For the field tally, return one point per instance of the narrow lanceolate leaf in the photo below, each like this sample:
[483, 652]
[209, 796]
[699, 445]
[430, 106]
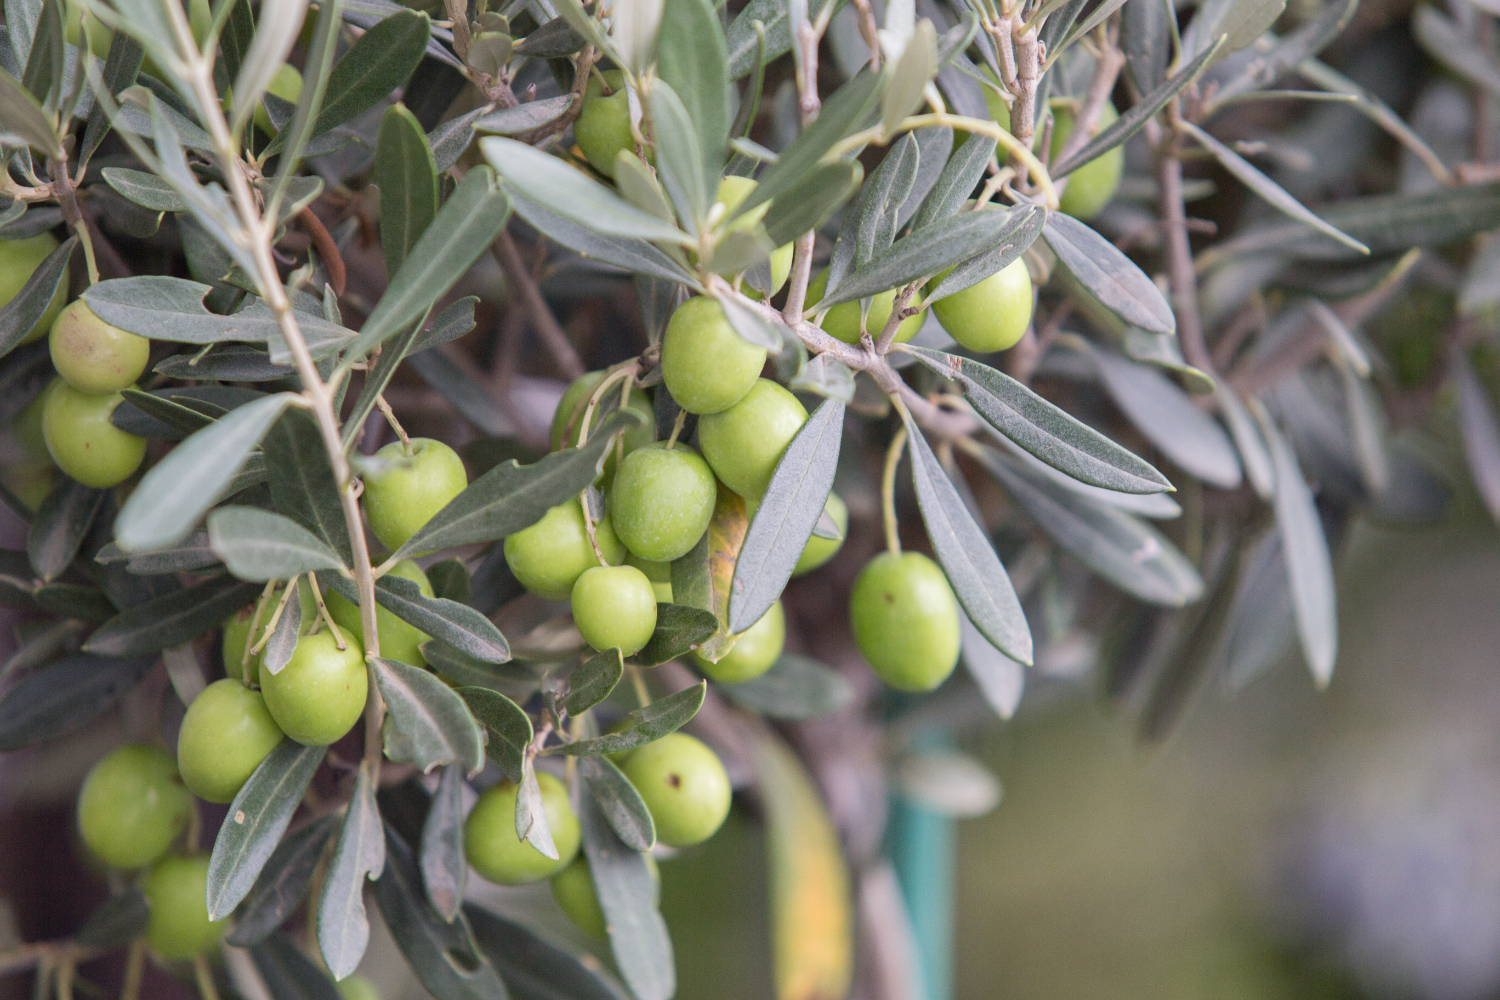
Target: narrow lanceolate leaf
[442, 954]
[60, 526]
[1481, 433]
[630, 253]
[1261, 623]
[301, 480]
[1309, 564]
[957, 181]
[1166, 415]
[458, 625]
[932, 249]
[20, 315]
[508, 725]
[22, 116]
[870, 228]
[1027, 226]
[532, 825]
[1131, 121]
[167, 503]
[1125, 551]
[812, 923]
[1042, 429]
[283, 882]
[794, 688]
[691, 59]
[1112, 278]
[537, 969]
[166, 308]
[258, 545]
[679, 630]
[775, 16]
[465, 671]
[1310, 38]
[429, 725]
[808, 203]
[510, 496]
[622, 805]
[407, 176]
[279, 23]
[999, 678]
[464, 228]
[539, 178]
[1455, 47]
[1247, 441]
[628, 892]
[1269, 189]
[283, 641]
[786, 516]
[966, 555]
[910, 75]
[592, 682]
[343, 926]
[443, 866]
[1241, 21]
[146, 190]
[679, 159]
[257, 818]
[523, 117]
[65, 696]
[644, 725]
[172, 619]
[116, 921]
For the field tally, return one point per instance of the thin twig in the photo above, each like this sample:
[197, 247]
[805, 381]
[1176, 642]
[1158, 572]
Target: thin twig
[522, 283]
[390, 418]
[888, 491]
[1180, 274]
[326, 249]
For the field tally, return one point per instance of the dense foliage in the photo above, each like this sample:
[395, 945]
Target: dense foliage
[800, 235]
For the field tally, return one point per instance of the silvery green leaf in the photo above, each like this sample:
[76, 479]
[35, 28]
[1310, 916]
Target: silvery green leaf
[1109, 275]
[691, 58]
[508, 725]
[909, 77]
[748, 323]
[1247, 441]
[284, 881]
[775, 17]
[444, 869]
[172, 619]
[622, 806]
[276, 30]
[283, 641]
[1027, 224]
[592, 682]
[1269, 189]
[259, 545]
[531, 819]
[627, 893]
[794, 688]
[60, 525]
[999, 678]
[630, 253]
[1241, 21]
[20, 316]
[429, 725]
[827, 377]
[523, 117]
[1456, 48]
[343, 927]
[1275, 56]
[957, 181]
[679, 157]
[642, 726]
[22, 117]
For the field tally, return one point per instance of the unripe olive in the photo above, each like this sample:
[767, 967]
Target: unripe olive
[567, 421]
[993, 314]
[83, 442]
[497, 854]
[662, 500]
[18, 259]
[94, 356]
[706, 365]
[225, 734]
[743, 443]
[733, 190]
[614, 606]
[354, 986]
[549, 556]
[398, 639]
[287, 85]
[818, 551]
[100, 36]
[1092, 185]
[176, 890]
[659, 573]
[30, 479]
[237, 629]
[754, 652]
[132, 806]
[403, 497]
[842, 321]
[573, 888]
[320, 694]
[603, 126]
[905, 620]
[684, 785]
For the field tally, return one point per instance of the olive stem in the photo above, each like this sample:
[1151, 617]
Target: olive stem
[627, 370]
[390, 418]
[205, 979]
[135, 970]
[65, 973]
[677, 426]
[638, 682]
[275, 617]
[246, 653]
[888, 490]
[194, 828]
[522, 282]
[338, 636]
[901, 311]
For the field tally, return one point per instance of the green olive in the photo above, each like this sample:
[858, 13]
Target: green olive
[398, 639]
[706, 365]
[18, 259]
[225, 735]
[1092, 185]
[905, 620]
[176, 891]
[992, 315]
[662, 500]
[818, 551]
[684, 785]
[614, 606]
[100, 36]
[287, 85]
[132, 806]
[83, 442]
[573, 888]
[550, 555]
[842, 321]
[94, 356]
[237, 629]
[354, 986]
[603, 126]
[497, 854]
[733, 190]
[320, 694]
[754, 652]
[659, 573]
[400, 499]
[567, 421]
[744, 443]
